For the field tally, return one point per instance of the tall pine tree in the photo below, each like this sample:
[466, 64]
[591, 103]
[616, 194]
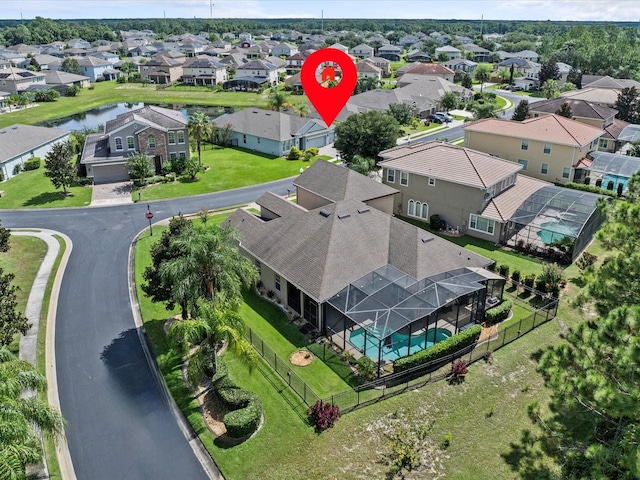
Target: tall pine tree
[521, 112]
[565, 111]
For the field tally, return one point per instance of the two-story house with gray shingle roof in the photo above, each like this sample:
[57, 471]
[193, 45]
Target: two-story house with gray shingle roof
[162, 69]
[158, 132]
[19, 143]
[362, 51]
[205, 71]
[275, 133]
[93, 67]
[390, 52]
[285, 49]
[253, 75]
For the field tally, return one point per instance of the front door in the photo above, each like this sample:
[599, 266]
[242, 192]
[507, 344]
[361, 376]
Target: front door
[293, 298]
[157, 160]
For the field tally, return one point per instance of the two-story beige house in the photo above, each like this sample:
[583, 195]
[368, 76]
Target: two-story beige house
[204, 71]
[158, 132]
[547, 147]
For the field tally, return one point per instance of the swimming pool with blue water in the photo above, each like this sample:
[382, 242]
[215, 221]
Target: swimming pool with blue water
[399, 343]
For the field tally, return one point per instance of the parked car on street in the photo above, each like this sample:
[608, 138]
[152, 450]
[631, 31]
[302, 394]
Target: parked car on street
[440, 117]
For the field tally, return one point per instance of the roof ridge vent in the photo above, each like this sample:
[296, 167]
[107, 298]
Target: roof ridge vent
[344, 215]
[325, 213]
[426, 238]
[363, 209]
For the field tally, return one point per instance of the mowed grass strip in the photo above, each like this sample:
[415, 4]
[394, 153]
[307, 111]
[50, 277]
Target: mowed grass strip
[33, 190]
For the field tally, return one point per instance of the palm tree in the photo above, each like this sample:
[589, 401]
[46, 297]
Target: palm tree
[19, 442]
[209, 266]
[278, 99]
[482, 74]
[303, 110]
[200, 128]
[212, 327]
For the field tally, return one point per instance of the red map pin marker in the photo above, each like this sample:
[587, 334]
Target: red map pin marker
[328, 101]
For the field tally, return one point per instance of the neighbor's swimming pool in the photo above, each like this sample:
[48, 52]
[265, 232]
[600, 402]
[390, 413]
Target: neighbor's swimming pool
[553, 231]
[400, 343]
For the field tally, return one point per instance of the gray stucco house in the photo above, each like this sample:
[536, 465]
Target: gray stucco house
[19, 143]
[158, 132]
[275, 133]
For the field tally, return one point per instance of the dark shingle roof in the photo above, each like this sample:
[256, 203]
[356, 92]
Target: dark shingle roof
[580, 108]
[336, 183]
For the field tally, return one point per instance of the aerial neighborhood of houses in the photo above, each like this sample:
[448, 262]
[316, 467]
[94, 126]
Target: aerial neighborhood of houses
[501, 180]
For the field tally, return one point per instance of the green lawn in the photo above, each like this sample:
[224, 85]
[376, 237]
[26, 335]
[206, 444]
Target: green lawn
[33, 190]
[105, 93]
[229, 168]
[408, 130]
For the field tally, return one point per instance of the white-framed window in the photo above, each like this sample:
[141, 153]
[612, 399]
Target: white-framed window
[603, 143]
[524, 145]
[391, 175]
[118, 143]
[524, 163]
[481, 224]
[258, 267]
[418, 209]
[432, 182]
[544, 168]
[181, 137]
[131, 144]
[277, 282]
[182, 155]
[151, 141]
[547, 149]
[566, 172]
[172, 138]
[173, 155]
[404, 178]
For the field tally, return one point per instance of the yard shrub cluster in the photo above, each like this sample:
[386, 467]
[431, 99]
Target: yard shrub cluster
[246, 414]
[323, 415]
[589, 188]
[498, 313]
[32, 164]
[440, 349]
[294, 154]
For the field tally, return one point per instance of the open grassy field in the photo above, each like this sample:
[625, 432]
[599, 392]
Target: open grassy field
[104, 93]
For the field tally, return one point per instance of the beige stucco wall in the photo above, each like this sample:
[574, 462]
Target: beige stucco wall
[509, 148]
[384, 204]
[309, 200]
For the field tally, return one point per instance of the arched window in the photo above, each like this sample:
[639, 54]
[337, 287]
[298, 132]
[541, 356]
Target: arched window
[425, 210]
[152, 141]
[411, 209]
[131, 145]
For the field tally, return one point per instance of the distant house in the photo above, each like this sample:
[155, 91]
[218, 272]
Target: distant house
[295, 61]
[285, 49]
[547, 147]
[362, 51]
[601, 96]
[244, 36]
[93, 67]
[253, 75]
[18, 80]
[424, 69]
[275, 133]
[418, 56]
[19, 143]
[382, 63]
[340, 47]
[204, 71]
[390, 52]
[451, 52]
[64, 79]
[162, 69]
[461, 65]
[160, 133]
[479, 54]
[368, 70]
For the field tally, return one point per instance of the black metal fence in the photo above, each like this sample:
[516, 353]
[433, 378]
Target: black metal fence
[282, 368]
[439, 369]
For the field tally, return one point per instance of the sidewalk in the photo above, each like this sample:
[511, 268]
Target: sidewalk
[406, 139]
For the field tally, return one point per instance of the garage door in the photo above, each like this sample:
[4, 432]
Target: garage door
[110, 173]
[317, 142]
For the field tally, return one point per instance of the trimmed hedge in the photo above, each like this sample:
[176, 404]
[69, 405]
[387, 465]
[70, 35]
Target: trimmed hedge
[440, 349]
[589, 188]
[32, 164]
[246, 406]
[498, 313]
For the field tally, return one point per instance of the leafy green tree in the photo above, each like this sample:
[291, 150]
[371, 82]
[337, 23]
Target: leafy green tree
[482, 74]
[200, 128]
[70, 65]
[634, 149]
[628, 105]
[442, 57]
[449, 101]
[73, 90]
[155, 288]
[12, 321]
[278, 99]
[366, 134]
[5, 235]
[521, 112]
[467, 81]
[503, 73]
[484, 110]
[128, 68]
[512, 70]
[565, 110]
[139, 167]
[550, 89]
[401, 112]
[366, 84]
[192, 167]
[209, 267]
[303, 110]
[548, 71]
[21, 416]
[212, 327]
[224, 134]
[575, 76]
[361, 164]
[59, 166]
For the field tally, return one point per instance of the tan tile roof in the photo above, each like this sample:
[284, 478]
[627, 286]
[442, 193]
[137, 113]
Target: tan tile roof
[615, 129]
[429, 69]
[548, 128]
[604, 96]
[502, 207]
[450, 163]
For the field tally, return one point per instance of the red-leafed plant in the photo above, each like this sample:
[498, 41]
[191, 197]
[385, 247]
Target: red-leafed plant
[323, 415]
[458, 371]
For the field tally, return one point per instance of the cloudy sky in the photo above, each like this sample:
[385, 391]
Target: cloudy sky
[627, 10]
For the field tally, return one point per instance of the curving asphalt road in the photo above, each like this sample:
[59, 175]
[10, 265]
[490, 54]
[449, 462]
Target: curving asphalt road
[119, 421]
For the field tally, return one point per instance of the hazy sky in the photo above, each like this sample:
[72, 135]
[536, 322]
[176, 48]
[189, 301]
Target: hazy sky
[628, 10]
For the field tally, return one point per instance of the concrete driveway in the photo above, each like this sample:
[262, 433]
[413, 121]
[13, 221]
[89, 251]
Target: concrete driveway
[118, 193]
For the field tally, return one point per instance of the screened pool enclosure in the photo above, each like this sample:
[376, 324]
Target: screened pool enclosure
[554, 220]
[388, 314]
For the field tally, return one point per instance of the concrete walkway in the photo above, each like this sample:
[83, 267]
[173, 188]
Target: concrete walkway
[28, 342]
